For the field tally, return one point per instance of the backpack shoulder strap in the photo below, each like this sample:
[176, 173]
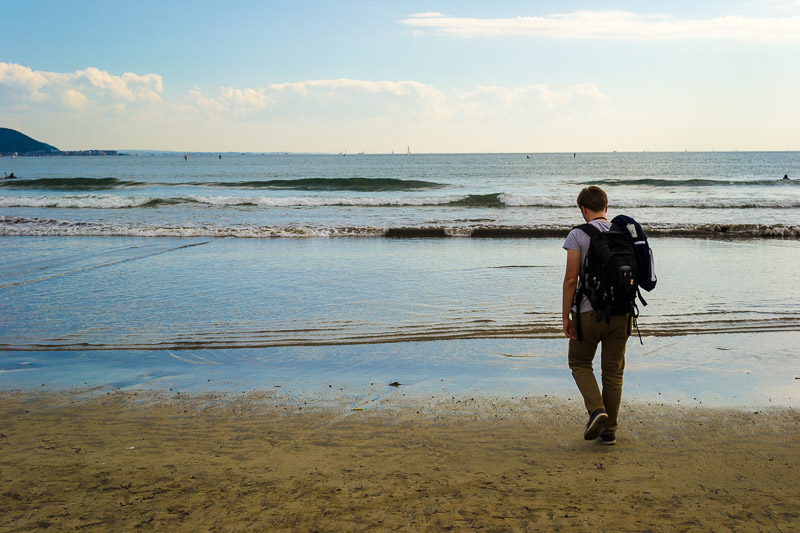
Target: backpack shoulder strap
[589, 229]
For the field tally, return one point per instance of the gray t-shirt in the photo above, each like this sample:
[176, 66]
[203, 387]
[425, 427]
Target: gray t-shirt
[579, 240]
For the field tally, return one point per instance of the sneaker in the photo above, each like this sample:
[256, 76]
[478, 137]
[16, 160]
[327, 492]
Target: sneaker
[597, 424]
[609, 438]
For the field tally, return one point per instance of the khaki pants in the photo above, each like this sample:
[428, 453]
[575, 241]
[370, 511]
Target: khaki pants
[613, 337]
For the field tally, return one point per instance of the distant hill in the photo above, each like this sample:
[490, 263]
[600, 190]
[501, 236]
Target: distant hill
[12, 141]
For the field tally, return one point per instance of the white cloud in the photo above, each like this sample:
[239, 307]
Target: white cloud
[338, 104]
[76, 89]
[393, 87]
[540, 92]
[25, 80]
[213, 105]
[493, 100]
[331, 101]
[321, 114]
[130, 87]
[328, 98]
[616, 25]
[237, 101]
[373, 97]
[74, 99]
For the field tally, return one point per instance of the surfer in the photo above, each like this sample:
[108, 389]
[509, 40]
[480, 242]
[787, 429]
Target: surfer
[9, 176]
[786, 176]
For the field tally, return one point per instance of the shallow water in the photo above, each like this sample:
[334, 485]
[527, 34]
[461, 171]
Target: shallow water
[480, 314]
[129, 293]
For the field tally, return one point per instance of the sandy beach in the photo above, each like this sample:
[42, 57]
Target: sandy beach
[150, 461]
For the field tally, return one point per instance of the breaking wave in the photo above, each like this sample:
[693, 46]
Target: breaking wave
[483, 201]
[72, 184]
[10, 226]
[695, 182]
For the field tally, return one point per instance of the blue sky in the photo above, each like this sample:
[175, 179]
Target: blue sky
[439, 76]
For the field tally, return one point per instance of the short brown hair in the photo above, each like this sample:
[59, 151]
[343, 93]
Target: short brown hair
[593, 198]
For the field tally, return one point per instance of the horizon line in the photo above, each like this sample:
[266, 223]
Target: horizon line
[400, 154]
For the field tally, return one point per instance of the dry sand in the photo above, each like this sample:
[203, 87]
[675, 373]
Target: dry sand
[142, 461]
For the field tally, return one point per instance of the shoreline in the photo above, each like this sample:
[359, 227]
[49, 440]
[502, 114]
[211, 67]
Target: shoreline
[733, 370]
[167, 461]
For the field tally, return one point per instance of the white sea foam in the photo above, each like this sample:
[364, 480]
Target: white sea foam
[532, 201]
[93, 201]
[745, 202]
[83, 201]
[115, 201]
[47, 227]
[19, 226]
[316, 201]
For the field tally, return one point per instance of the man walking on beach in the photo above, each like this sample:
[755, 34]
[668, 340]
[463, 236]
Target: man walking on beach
[603, 407]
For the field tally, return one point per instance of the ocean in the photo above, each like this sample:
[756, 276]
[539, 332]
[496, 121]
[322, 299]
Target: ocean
[369, 195]
[305, 272]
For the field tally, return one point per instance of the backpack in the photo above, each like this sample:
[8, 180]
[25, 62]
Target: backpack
[618, 262]
[645, 265]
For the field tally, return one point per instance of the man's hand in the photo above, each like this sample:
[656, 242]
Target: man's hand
[569, 328]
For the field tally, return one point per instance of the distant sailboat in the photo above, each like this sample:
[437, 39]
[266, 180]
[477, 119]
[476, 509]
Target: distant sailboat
[408, 150]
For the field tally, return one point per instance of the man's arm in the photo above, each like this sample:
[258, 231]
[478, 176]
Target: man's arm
[570, 284]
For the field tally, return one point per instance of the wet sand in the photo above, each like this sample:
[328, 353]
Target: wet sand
[168, 462]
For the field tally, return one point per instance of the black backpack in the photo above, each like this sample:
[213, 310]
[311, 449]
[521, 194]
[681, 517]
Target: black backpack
[645, 265]
[611, 274]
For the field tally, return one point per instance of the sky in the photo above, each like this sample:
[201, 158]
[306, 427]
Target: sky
[380, 76]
